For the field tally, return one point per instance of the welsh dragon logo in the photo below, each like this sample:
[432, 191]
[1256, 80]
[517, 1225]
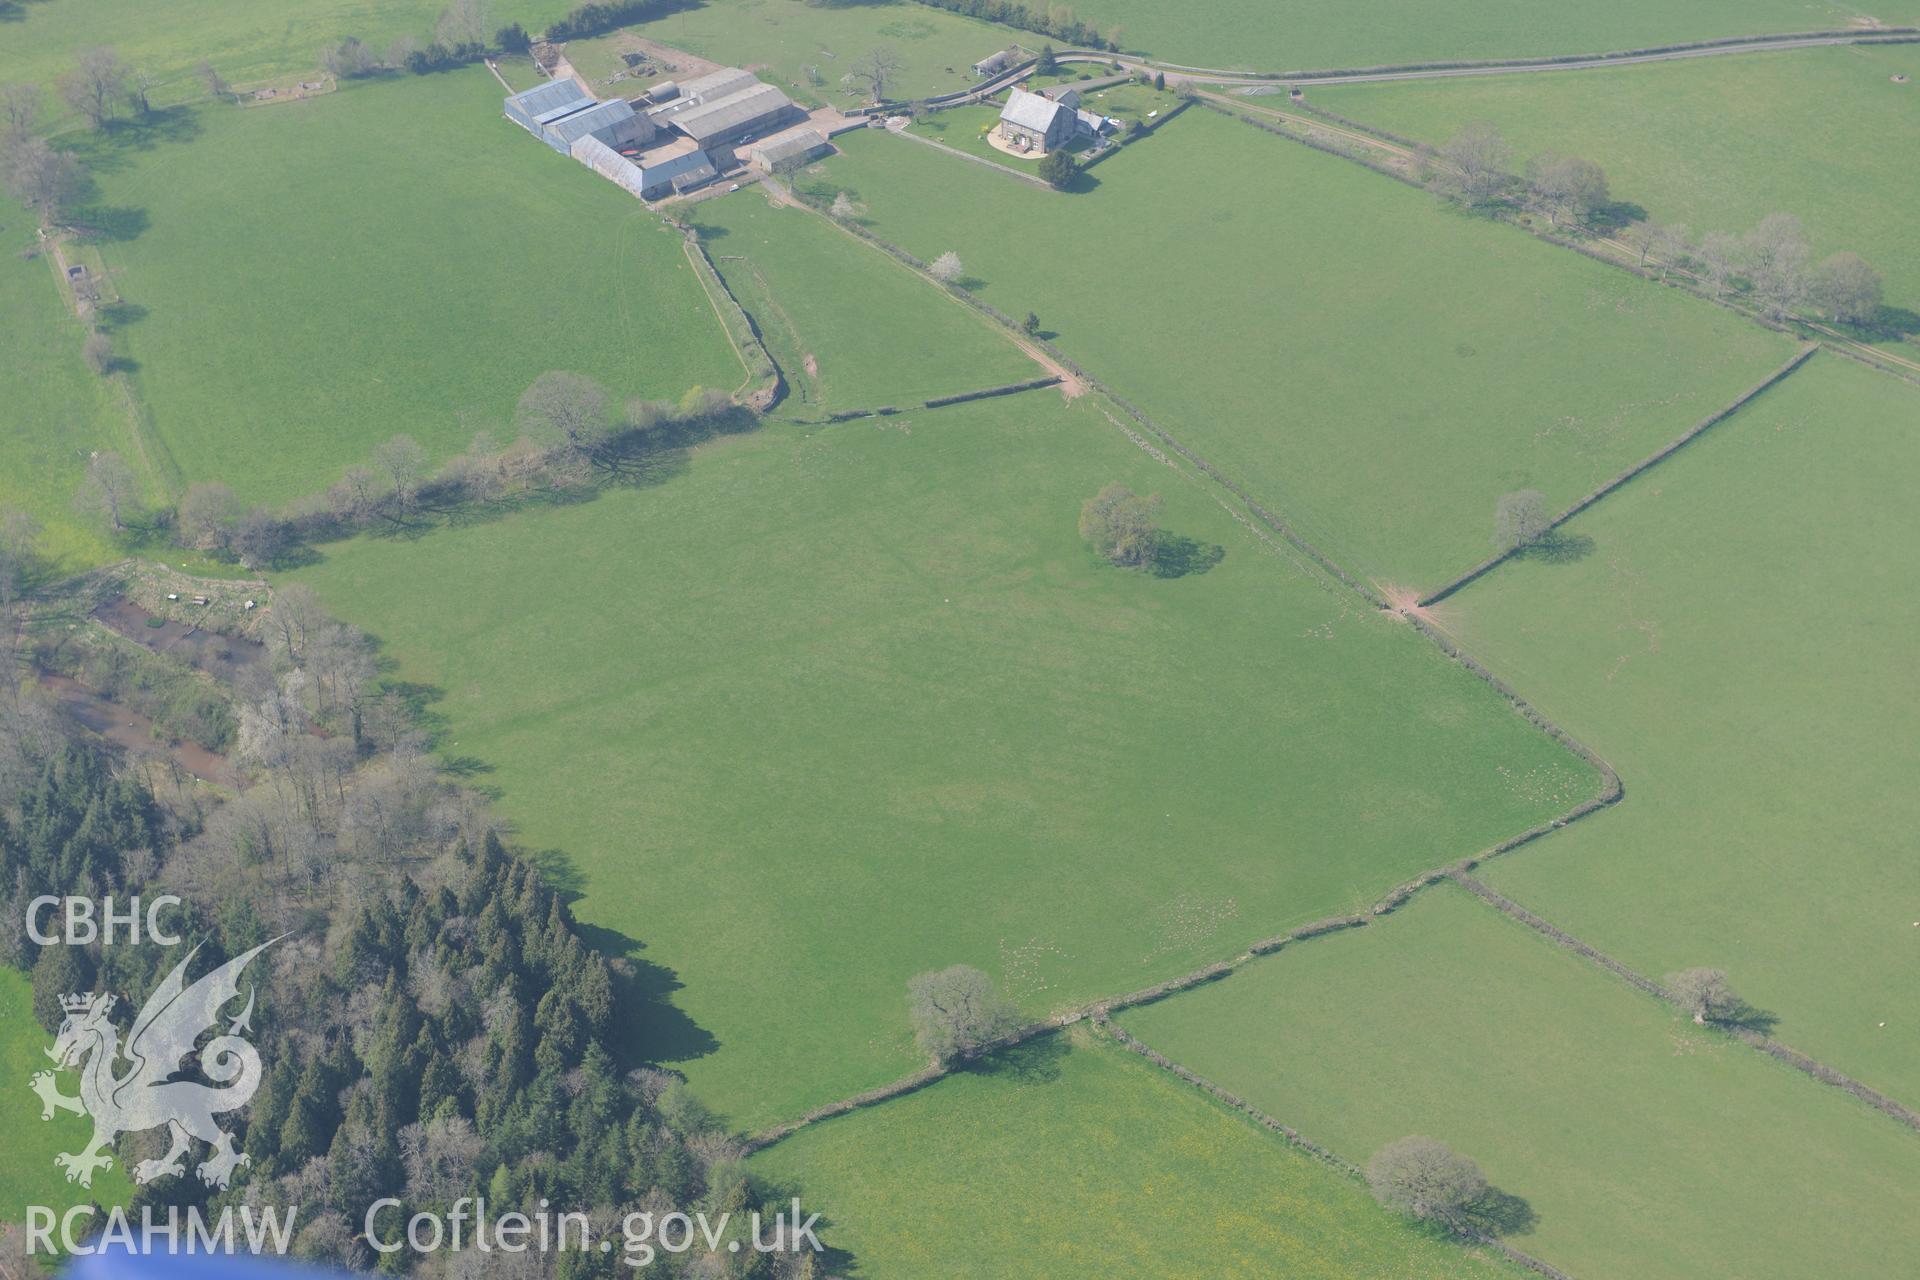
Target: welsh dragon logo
[146, 1096]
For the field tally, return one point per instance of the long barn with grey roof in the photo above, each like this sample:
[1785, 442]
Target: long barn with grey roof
[724, 120]
[560, 113]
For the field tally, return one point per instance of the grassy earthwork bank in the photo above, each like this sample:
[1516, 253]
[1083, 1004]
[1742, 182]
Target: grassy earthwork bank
[1641, 1144]
[850, 328]
[1739, 646]
[1717, 143]
[841, 705]
[285, 319]
[1376, 367]
[1074, 1157]
[1301, 34]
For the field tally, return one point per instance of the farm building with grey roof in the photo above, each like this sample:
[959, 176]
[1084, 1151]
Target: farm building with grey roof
[736, 116]
[560, 113]
[788, 151]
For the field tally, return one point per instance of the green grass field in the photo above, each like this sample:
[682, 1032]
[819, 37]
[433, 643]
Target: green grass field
[28, 1174]
[55, 411]
[1376, 367]
[1738, 645]
[1716, 143]
[1073, 1157]
[843, 705]
[292, 318]
[875, 333]
[246, 40]
[1645, 1147]
[1303, 34]
[781, 39]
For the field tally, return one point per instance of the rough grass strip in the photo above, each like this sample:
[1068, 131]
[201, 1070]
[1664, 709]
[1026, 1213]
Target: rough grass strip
[739, 328]
[1766, 1044]
[1688, 437]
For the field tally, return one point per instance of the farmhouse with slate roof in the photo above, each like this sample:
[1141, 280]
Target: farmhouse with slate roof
[1033, 122]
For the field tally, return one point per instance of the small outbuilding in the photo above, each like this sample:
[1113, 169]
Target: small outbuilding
[994, 63]
[677, 175]
[787, 152]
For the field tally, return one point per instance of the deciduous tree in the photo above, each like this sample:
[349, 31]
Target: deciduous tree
[1846, 288]
[1519, 517]
[1120, 525]
[569, 412]
[108, 491]
[1426, 1178]
[1774, 256]
[1704, 993]
[405, 463]
[1475, 163]
[19, 109]
[956, 1011]
[97, 86]
[1567, 186]
[42, 177]
[877, 69]
[946, 268]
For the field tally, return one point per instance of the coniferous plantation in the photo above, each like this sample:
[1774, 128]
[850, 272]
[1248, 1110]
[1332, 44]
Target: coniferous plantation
[439, 1027]
[958, 639]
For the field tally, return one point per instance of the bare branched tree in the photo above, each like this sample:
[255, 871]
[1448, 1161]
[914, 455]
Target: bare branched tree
[877, 70]
[1519, 518]
[955, 1011]
[97, 86]
[42, 177]
[108, 491]
[1475, 163]
[1847, 289]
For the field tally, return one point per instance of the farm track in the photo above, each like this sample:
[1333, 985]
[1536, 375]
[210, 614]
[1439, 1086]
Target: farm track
[1272, 81]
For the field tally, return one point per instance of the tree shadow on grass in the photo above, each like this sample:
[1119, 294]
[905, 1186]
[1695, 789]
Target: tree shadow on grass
[1745, 1017]
[649, 1028]
[1556, 547]
[1035, 1061]
[109, 223]
[1178, 557]
[1500, 1213]
[119, 315]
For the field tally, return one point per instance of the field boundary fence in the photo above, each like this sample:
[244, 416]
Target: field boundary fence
[1764, 1043]
[1698, 429]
